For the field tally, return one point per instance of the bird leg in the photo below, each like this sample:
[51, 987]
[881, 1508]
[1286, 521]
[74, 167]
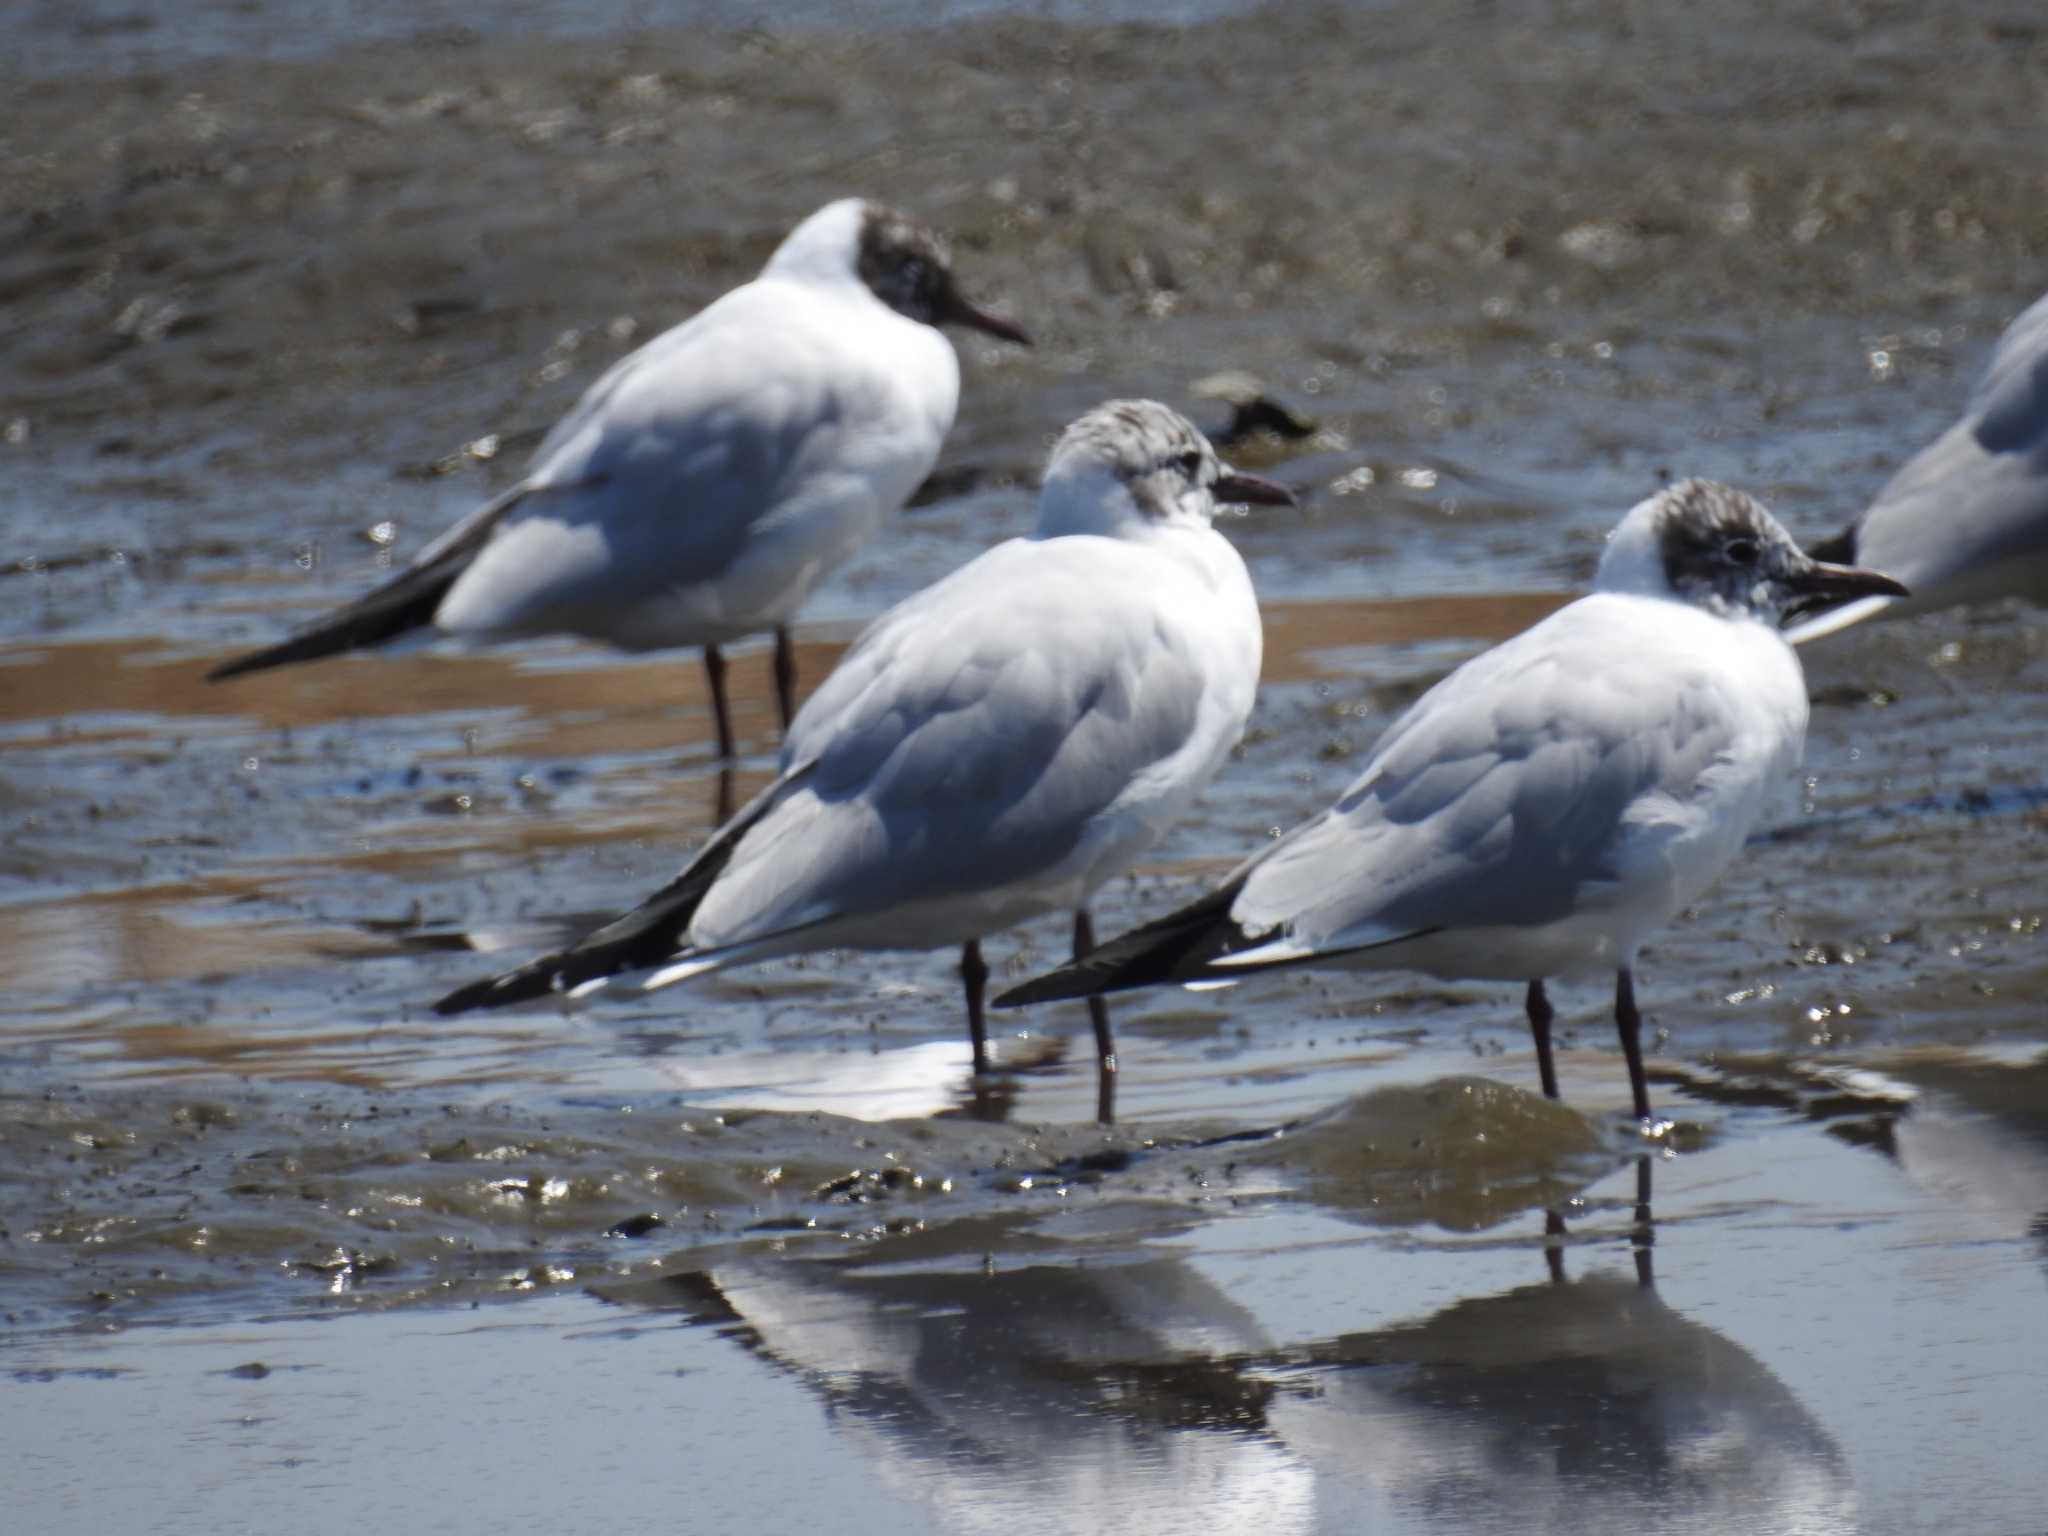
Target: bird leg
[785, 674]
[1644, 1234]
[1098, 1010]
[974, 976]
[1540, 1015]
[1554, 1235]
[726, 798]
[1629, 1024]
[1098, 1014]
[714, 669]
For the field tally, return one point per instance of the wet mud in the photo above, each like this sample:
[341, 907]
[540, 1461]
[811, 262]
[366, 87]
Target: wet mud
[282, 303]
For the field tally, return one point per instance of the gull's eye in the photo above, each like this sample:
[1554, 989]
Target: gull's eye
[1190, 463]
[1741, 551]
[916, 272]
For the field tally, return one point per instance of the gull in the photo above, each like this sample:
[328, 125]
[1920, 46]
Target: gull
[707, 481]
[992, 748]
[1966, 519]
[1550, 803]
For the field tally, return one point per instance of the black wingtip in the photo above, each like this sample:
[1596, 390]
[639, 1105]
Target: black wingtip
[236, 668]
[644, 937]
[530, 981]
[1174, 948]
[1068, 981]
[261, 661]
[651, 934]
[406, 602]
[1838, 550]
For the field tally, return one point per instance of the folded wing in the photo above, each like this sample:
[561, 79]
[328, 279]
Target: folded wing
[979, 735]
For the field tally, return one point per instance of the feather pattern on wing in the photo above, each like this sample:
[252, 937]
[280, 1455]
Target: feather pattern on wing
[1542, 783]
[708, 480]
[994, 769]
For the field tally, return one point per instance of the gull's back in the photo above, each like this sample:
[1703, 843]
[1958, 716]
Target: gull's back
[1563, 794]
[704, 483]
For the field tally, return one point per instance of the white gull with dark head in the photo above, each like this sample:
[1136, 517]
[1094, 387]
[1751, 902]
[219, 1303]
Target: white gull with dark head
[707, 482]
[1552, 802]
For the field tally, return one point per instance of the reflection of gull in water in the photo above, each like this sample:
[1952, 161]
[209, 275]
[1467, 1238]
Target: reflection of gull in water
[1035, 1398]
[1022, 1394]
[1980, 1138]
[903, 1082]
[1584, 1405]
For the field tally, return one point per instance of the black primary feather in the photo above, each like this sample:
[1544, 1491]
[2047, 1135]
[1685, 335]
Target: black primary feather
[404, 603]
[1177, 947]
[647, 936]
[1838, 550]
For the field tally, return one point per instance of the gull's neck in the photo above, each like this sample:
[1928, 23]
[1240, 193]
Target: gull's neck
[825, 248]
[1087, 498]
[1633, 562]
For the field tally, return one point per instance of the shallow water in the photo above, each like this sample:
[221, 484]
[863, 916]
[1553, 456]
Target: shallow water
[270, 288]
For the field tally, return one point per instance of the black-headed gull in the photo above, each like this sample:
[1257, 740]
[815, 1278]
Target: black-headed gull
[707, 481]
[1965, 520]
[1548, 805]
[994, 747]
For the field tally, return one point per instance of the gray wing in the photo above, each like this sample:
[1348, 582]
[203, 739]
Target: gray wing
[697, 433]
[1977, 497]
[973, 738]
[1500, 798]
[2010, 403]
[719, 437]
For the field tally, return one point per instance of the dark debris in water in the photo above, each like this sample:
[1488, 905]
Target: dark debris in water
[640, 1225]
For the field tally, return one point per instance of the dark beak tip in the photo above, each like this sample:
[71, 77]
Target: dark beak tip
[1256, 490]
[961, 311]
[1842, 582]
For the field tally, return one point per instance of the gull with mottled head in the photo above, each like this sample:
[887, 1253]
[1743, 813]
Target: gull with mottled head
[1551, 803]
[708, 481]
[992, 749]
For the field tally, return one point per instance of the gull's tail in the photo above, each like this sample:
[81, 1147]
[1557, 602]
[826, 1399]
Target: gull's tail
[404, 603]
[650, 935]
[1179, 947]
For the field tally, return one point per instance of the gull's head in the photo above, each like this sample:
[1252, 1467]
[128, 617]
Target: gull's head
[906, 266]
[1135, 464]
[1712, 546]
